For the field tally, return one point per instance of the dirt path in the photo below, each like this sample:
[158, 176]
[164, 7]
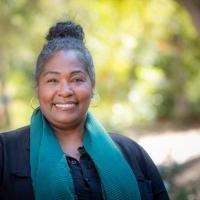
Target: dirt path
[171, 146]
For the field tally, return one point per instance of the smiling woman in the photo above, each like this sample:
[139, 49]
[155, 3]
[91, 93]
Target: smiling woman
[65, 153]
[64, 91]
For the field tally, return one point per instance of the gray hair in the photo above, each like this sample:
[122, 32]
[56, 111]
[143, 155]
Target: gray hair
[65, 36]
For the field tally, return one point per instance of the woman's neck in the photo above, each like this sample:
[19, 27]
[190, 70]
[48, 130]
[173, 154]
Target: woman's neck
[70, 139]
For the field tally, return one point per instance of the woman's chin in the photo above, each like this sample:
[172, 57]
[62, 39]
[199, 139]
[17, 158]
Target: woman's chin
[66, 122]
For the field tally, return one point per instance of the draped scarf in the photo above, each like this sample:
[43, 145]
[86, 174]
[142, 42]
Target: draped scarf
[50, 172]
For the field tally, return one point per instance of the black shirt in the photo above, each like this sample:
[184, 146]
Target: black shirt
[87, 183]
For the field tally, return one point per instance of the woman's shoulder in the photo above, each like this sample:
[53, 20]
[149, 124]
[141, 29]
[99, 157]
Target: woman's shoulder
[144, 168]
[14, 155]
[135, 154]
[15, 136]
[125, 142]
[13, 143]
[16, 132]
[120, 137]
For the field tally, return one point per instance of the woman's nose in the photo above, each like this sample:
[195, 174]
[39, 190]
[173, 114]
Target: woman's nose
[65, 89]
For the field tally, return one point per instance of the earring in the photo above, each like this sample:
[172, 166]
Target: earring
[95, 101]
[34, 103]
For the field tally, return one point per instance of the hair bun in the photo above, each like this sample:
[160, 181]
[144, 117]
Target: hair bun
[65, 29]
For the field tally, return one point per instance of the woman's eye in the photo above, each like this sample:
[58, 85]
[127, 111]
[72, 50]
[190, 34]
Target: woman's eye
[53, 80]
[77, 80]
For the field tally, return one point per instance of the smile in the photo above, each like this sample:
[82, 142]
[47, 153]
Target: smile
[65, 105]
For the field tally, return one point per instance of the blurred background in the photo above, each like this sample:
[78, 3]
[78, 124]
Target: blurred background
[147, 59]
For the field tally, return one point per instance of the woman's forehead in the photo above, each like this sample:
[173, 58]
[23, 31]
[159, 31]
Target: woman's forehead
[64, 61]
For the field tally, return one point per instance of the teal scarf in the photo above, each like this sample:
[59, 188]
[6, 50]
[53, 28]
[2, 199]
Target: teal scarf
[51, 174]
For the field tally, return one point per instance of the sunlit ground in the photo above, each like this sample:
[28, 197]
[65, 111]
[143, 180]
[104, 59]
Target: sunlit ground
[172, 146]
[179, 153]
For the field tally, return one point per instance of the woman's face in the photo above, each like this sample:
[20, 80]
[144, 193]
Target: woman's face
[64, 90]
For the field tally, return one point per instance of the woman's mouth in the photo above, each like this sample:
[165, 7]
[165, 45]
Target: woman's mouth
[65, 106]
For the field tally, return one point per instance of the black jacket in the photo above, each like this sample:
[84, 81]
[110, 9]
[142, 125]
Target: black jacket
[15, 179]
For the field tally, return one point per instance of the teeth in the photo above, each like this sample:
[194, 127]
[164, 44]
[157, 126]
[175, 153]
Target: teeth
[67, 105]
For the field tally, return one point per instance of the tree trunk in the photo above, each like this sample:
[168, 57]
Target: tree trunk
[193, 8]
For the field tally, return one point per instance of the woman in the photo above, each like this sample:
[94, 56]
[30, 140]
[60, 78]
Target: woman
[66, 153]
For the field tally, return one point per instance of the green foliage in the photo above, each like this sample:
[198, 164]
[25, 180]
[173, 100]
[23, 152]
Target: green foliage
[146, 55]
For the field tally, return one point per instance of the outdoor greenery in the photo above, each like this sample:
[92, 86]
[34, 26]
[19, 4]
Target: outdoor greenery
[146, 55]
